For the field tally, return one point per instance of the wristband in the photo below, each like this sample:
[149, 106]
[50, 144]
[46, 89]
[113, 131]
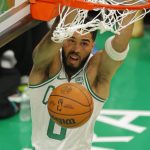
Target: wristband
[112, 53]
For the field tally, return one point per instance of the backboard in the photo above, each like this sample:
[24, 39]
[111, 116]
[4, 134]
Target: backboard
[14, 19]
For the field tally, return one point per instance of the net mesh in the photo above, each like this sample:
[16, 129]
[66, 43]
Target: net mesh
[102, 20]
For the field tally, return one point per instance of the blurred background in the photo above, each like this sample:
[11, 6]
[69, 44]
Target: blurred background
[125, 120]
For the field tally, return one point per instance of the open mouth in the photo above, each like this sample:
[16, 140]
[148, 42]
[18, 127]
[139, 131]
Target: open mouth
[73, 58]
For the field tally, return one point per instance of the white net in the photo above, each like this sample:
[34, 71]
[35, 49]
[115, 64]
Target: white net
[102, 20]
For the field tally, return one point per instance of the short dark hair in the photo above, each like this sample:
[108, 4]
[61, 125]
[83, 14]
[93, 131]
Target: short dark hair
[94, 34]
[90, 16]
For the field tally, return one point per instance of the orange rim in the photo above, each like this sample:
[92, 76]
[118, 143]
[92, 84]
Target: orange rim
[82, 4]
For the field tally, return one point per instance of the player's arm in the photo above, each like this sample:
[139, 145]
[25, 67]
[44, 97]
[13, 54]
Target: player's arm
[46, 50]
[108, 61]
[116, 50]
[43, 56]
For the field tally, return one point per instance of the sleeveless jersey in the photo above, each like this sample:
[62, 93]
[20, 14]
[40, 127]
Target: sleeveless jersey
[47, 135]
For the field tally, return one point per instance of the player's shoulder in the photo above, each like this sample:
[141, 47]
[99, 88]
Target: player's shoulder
[96, 56]
[98, 53]
[37, 75]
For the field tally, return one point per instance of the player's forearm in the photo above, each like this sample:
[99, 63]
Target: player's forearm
[120, 42]
[46, 50]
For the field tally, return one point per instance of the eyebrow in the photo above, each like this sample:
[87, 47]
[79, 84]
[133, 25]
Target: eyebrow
[85, 40]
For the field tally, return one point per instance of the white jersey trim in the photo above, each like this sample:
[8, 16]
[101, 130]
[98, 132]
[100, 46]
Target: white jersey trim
[90, 89]
[44, 82]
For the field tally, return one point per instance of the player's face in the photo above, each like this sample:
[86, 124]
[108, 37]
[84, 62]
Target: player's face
[76, 49]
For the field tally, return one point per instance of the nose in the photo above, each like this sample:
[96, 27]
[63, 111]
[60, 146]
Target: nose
[77, 47]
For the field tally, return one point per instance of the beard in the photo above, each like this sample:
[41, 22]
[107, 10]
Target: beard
[70, 69]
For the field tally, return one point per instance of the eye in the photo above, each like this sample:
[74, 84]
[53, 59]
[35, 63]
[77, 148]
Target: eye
[84, 44]
[71, 40]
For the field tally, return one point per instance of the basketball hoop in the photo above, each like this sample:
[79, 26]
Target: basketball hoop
[109, 15]
[107, 4]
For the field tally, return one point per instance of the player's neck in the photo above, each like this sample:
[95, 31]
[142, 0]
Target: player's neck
[69, 74]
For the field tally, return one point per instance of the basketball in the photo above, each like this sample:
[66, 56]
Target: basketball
[70, 105]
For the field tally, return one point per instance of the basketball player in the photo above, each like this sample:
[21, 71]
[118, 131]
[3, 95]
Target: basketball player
[72, 61]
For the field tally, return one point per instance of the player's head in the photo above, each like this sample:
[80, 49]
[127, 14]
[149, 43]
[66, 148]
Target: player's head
[77, 48]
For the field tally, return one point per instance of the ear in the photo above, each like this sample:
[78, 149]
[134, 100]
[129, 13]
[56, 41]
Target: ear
[93, 44]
